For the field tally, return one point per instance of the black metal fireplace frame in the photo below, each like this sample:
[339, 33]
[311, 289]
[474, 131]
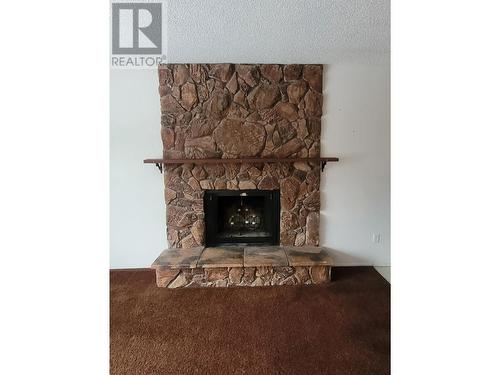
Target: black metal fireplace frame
[272, 210]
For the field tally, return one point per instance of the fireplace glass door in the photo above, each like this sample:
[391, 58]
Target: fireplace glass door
[242, 217]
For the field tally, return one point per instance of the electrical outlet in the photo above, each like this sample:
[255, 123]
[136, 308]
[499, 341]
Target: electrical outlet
[376, 238]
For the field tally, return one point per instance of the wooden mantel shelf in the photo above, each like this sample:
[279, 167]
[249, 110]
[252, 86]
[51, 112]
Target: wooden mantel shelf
[159, 162]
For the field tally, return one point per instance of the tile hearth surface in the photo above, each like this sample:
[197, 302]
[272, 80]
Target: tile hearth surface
[242, 266]
[213, 257]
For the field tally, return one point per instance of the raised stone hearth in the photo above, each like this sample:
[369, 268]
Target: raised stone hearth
[242, 266]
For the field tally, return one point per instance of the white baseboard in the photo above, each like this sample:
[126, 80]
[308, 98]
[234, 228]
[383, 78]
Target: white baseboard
[385, 271]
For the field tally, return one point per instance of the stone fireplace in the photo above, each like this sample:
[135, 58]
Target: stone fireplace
[239, 111]
[248, 113]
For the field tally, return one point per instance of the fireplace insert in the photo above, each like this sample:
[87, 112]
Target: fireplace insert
[242, 217]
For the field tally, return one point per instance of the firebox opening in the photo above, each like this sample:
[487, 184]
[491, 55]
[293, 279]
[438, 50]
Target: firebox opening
[242, 217]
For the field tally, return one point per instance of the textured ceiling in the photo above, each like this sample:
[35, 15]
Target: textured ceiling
[277, 31]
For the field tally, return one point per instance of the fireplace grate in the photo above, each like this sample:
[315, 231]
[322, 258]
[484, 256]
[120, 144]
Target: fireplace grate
[242, 217]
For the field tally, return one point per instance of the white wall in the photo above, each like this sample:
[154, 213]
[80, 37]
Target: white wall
[356, 191]
[350, 37]
[137, 208]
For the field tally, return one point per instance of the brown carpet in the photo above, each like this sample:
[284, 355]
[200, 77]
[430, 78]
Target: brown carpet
[339, 328]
